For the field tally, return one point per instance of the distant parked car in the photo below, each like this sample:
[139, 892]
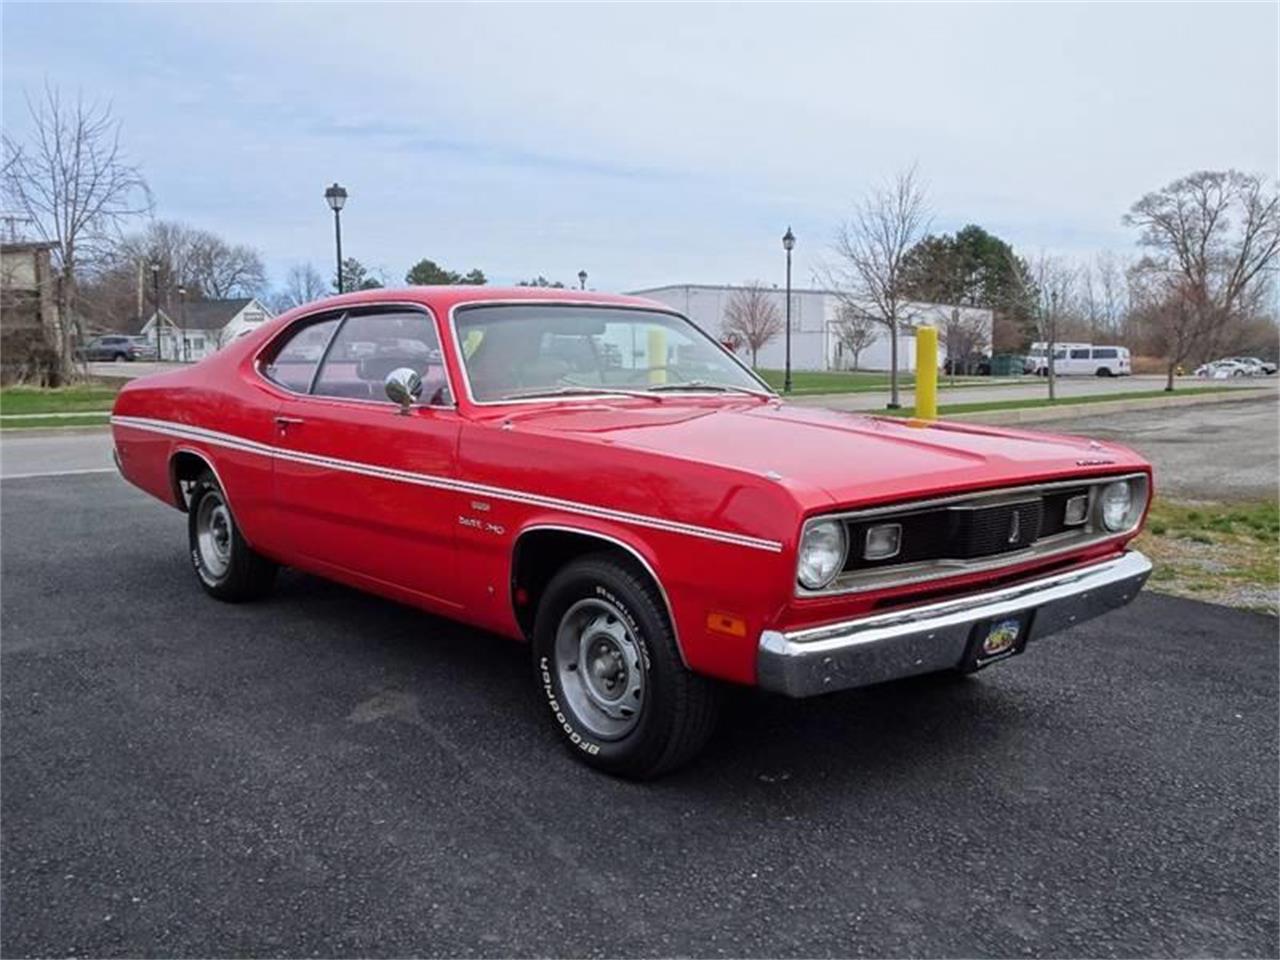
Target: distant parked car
[146, 348]
[1222, 370]
[1256, 367]
[116, 347]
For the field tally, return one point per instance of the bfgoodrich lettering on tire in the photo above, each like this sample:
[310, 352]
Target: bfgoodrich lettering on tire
[226, 566]
[606, 661]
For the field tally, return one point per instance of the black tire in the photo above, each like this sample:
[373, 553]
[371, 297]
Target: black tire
[678, 709]
[246, 575]
[120, 357]
[1105, 372]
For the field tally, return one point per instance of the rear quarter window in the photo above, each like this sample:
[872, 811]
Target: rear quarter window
[295, 360]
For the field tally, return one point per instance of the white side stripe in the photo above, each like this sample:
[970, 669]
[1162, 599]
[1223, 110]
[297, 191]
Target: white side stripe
[186, 432]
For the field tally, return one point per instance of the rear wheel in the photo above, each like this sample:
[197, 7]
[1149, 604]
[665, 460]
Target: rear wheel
[606, 659]
[120, 357]
[226, 566]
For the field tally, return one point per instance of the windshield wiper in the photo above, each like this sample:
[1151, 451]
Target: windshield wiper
[578, 392]
[714, 387]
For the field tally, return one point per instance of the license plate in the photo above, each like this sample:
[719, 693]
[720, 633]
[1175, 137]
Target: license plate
[994, 640]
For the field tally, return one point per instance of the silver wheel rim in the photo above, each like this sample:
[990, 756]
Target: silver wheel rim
[598, 663]
[213, 534]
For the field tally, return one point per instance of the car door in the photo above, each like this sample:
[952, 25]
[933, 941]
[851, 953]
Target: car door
[360, 486]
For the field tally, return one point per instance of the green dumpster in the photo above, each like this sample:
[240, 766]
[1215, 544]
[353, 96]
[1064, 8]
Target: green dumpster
[1006, 365]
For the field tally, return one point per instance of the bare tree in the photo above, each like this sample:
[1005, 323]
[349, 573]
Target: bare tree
[870, 249]
[302, 284]
[964, 335]
[1211, 237]
[221, 270]
[855, 330]
[752, 317]
[1103, 296]
[74, 184]
[1048, 293]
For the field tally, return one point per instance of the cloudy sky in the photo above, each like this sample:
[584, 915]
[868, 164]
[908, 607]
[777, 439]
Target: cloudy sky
[652, 144]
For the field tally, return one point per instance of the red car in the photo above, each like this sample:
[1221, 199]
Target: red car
[597, 476]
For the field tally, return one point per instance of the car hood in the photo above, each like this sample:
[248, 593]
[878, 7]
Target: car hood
[832, 458]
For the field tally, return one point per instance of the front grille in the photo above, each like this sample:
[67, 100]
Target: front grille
[971, 532]
[981, 532]
[953, 533]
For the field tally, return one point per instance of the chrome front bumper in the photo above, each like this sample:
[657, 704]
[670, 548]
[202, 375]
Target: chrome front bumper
[933, 637]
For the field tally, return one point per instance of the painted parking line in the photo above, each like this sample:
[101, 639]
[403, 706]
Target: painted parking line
[57, 473]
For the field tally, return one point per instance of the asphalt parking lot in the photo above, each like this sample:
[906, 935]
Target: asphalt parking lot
[327, 773]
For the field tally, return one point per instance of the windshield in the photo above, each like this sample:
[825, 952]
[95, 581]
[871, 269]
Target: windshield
[516, 352]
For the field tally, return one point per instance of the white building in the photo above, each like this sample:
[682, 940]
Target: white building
[815, 340]
[201, 327]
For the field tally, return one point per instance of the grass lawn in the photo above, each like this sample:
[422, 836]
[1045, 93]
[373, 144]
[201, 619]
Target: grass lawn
[60, 400]
[833, 381]
[1023, 404]
[1221, 552]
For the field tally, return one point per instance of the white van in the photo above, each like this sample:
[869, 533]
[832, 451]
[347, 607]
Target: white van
[1084, 359]
[1095, 361]
[1040, 351]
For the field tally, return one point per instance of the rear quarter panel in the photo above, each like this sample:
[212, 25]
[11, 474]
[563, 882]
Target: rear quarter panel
[198, 409]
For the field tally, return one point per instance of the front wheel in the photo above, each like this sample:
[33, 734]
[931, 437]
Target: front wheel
[606, 659]
[226, 566]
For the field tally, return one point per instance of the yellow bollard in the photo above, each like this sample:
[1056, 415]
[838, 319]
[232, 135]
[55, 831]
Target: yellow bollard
[657, 354]
[926, 373]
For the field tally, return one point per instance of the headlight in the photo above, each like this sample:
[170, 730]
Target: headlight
[822, 552]
[1116, 505]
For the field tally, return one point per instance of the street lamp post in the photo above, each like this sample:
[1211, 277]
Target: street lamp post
[336, 197]
[788, 244]
[182, 322]
[155, 294]
[582, 279]
[1052, 331]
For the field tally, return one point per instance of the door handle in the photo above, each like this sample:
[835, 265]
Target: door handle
[285, 422]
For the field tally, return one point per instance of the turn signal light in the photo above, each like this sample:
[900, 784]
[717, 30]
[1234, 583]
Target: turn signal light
[726, 623]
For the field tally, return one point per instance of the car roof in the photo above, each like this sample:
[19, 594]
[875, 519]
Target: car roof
[442, 299]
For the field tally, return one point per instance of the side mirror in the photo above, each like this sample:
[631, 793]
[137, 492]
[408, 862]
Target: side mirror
[403, 386]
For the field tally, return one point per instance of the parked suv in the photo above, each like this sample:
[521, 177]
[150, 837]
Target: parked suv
[115, 347]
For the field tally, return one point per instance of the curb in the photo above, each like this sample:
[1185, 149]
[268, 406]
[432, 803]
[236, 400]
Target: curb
[1103, 407]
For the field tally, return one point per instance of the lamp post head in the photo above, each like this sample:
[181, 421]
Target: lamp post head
[582, 279]
[336, 197]
[182, 291]
[788, 240]
[155, 268]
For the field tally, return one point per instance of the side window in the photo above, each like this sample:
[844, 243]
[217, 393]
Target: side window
[370, 346]
[1079, 354]
[1105, 353]
[295, 362]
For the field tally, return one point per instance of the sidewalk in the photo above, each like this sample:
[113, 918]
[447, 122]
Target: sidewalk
[1032, 390]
